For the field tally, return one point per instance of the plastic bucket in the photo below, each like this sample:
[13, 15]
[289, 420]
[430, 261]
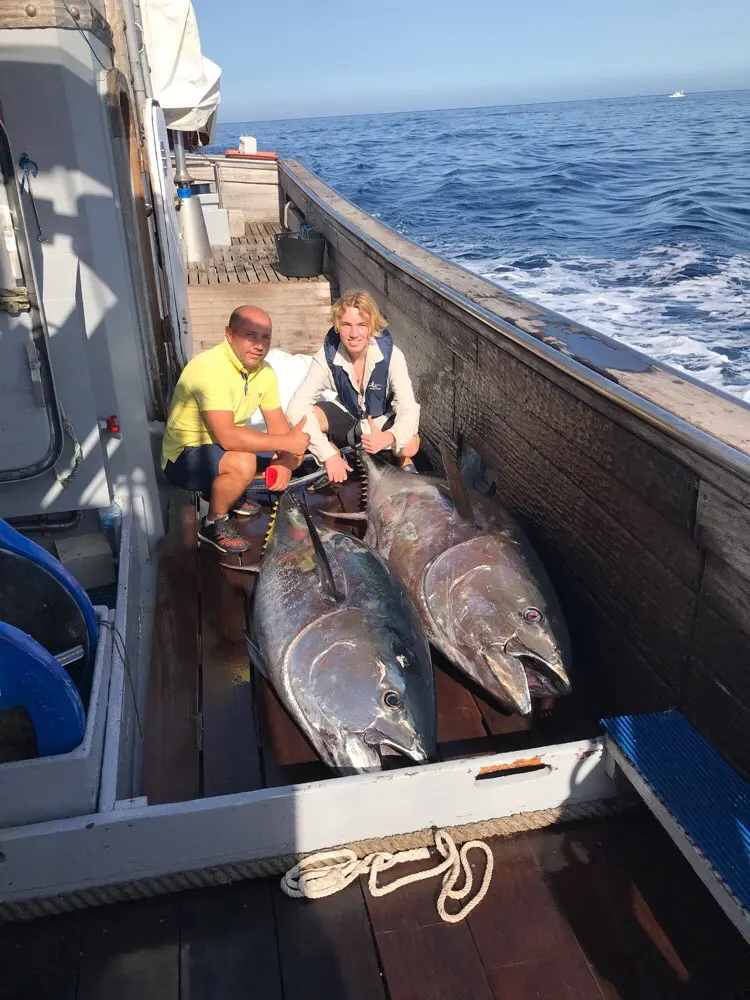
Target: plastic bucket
[301, 254]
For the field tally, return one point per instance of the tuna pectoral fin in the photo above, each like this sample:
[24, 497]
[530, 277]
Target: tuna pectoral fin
[342, 515]
[325, 573]
[549, 670]
[256, 657]
[459, 493]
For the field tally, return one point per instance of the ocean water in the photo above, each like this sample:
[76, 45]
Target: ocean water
[630, 215]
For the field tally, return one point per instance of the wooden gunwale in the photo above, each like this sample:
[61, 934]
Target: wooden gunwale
[708, 445]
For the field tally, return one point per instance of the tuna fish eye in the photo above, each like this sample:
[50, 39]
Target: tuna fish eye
[392, 699]
[533, 616]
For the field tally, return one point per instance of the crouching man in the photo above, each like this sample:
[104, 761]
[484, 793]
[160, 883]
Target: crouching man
[208, 448]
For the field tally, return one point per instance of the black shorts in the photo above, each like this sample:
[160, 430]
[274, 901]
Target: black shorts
[196, 468]
[343, 428]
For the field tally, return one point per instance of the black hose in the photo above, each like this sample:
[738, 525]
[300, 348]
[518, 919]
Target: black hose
[44, 524]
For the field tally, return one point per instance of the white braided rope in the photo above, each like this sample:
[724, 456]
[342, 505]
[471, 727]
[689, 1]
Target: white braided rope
[331, 871]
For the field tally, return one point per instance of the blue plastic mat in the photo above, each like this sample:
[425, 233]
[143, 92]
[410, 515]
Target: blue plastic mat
[708, 799]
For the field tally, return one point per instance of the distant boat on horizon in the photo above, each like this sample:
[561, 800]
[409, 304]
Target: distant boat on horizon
[678, 93]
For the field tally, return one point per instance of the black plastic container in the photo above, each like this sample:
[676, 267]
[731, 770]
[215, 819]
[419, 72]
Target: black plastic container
[301, 254]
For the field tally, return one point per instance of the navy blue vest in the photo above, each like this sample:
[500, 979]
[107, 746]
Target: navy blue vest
[377, 398]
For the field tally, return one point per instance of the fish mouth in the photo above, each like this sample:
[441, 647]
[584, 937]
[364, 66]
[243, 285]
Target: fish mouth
[505, 679]
[546, 676]
[389, 743]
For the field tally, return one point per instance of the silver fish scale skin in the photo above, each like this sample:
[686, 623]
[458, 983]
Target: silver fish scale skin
[474, 585]
[333, 661]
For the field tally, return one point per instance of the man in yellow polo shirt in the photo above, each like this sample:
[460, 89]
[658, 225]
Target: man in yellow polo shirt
[208, 448]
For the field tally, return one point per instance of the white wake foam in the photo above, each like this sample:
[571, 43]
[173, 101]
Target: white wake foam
[672, 302]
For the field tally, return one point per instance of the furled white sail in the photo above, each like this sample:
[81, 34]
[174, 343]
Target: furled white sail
[186, 84]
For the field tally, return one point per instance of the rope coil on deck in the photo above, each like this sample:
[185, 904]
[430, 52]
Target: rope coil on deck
[158, 885]
[331, 871]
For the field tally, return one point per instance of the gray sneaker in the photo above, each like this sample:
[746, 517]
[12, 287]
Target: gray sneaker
[223, 535]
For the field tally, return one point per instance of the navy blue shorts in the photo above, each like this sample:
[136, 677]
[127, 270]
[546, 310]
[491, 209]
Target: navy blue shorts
[195, 468]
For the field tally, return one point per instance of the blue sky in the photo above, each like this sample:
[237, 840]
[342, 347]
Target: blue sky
[296, 59]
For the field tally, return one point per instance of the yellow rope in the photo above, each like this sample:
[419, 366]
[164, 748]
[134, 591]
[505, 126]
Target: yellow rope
[331, 871]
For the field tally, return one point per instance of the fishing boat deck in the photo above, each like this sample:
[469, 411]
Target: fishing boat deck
[250, 260]
[591, 911]
[215, 727]
[247, 273]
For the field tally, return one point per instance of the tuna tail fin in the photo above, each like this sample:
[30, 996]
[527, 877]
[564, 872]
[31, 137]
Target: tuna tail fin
[456, 485]
[325, 572]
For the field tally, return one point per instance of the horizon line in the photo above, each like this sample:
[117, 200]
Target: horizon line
[476, 107]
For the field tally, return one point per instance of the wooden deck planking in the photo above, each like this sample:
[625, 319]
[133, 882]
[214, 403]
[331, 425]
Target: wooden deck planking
[228, 944]
[40, 960]
[584, 911]
[258, 249]
[171, 766]
[300, 311]
[559, 978]
[131, 950]
[460, 729]
[231, 755]
[521, 922]
[648, 904]
[439, 962]
[288, 758]
[327, 949]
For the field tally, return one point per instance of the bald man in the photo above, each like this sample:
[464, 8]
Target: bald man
[207, 446]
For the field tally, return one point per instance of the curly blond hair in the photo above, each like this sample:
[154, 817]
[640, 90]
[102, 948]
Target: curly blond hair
[367, 306]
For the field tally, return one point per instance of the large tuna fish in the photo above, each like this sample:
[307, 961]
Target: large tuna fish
[342, 645]
[483, 595]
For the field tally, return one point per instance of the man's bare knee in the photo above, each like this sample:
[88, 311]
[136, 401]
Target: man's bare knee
[241, 464]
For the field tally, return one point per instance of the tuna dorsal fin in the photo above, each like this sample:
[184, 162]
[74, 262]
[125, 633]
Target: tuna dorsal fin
[456, 485]
[324, 566]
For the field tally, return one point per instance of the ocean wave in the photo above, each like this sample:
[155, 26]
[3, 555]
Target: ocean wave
[632, 216]
[672, 302]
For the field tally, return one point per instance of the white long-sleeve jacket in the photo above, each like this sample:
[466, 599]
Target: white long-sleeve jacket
[319, 384]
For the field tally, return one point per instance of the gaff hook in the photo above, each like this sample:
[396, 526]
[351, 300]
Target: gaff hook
[30, 169]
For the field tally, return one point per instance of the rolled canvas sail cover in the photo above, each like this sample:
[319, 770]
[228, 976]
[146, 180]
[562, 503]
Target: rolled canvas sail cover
[186, 84]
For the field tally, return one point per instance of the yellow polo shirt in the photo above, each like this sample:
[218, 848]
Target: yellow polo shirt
[215, 380]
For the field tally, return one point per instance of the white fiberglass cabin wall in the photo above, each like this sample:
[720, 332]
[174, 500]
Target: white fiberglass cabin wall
[53, 92]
